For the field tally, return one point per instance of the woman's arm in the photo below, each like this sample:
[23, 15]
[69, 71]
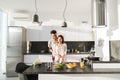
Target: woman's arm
[50, 46]
[64, 52]
[63, 57]
[65, 48]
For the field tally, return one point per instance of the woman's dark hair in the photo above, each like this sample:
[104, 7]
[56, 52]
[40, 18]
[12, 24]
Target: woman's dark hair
[53, 32]
[62, 38]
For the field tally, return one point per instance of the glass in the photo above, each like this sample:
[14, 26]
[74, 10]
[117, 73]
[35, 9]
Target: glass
[49, 66]
[82, 65]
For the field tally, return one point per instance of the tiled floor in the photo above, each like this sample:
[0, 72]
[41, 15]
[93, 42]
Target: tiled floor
[3, 77]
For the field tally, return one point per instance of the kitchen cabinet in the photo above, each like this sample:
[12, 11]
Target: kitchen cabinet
[30, 58]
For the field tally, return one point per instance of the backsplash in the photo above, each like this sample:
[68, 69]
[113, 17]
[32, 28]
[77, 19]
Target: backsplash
[72, 46]
[80, 46]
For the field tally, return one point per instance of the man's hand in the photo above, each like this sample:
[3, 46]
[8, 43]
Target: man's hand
[50, 49]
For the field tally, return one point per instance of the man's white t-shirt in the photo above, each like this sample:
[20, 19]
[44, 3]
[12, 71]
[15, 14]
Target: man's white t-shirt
[53, 46]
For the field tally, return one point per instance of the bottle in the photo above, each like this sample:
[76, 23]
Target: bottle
[90, 63]
[82, 65]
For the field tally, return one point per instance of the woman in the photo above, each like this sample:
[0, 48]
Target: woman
[61, 49]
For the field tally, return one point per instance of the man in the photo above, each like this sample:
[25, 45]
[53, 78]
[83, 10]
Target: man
[52, 43]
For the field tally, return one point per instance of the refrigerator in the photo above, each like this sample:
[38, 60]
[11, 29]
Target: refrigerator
[16, 47]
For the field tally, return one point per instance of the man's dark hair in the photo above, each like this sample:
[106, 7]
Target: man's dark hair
[53, 32]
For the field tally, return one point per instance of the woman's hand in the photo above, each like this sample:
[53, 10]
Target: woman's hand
[59, 56]
[63, 57]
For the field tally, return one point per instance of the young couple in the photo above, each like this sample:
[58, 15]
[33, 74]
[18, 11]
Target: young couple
[57, 47]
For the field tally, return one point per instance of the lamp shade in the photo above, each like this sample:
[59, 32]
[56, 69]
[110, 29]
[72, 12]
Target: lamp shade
[36, 18]
[64, 24]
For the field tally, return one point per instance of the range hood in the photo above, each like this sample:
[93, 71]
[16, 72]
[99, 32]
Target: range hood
[99, 12]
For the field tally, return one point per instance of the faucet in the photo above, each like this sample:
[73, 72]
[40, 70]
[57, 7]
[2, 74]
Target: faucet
[92, 51]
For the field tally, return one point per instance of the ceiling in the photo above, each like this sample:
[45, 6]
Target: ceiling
[51, 9]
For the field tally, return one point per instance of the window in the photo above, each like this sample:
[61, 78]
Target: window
[3, 40]
[0, 30]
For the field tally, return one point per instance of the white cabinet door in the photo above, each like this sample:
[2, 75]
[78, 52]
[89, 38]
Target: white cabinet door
[29, 59]
[75, 57]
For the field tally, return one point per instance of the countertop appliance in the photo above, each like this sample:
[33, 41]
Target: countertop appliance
[16, 46]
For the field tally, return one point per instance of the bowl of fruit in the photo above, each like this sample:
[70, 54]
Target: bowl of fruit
[71, 65]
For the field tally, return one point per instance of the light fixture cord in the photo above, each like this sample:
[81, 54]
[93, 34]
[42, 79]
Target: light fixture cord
[36, 10]
[65, 10]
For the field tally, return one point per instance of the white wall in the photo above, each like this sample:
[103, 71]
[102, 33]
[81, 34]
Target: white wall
[76, 11]
[74, 33]
[0, 40]
[113, 19]
[102, 43]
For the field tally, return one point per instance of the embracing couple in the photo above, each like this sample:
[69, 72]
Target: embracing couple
[57, 47]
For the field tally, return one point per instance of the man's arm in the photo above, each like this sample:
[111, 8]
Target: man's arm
[50, 46]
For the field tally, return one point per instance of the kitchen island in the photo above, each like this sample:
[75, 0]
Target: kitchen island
[73, 74]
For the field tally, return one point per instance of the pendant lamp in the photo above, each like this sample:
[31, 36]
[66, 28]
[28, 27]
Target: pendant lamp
[64, 24]
[36, 17]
